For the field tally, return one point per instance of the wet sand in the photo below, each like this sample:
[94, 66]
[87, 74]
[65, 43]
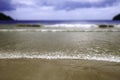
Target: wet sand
[43, 69]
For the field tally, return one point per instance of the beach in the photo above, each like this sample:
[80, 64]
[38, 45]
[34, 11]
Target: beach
[55, 53]
[37, 69]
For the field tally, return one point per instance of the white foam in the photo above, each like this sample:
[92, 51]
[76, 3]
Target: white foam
[61, 55]
[72, 25]
[59, 30]
[34, 30]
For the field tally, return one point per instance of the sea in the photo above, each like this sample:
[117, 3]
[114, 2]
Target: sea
[59, 50]
[61, 22]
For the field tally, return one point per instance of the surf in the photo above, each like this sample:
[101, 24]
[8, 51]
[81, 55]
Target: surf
[60, 56]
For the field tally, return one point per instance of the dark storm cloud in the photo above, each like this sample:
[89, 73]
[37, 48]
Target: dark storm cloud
[6, 5]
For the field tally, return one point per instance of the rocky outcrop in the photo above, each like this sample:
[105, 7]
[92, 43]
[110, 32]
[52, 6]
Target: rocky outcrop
[5, 17]
[106, 26]
[29, 25]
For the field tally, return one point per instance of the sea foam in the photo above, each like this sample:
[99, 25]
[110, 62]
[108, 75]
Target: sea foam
[60, 55]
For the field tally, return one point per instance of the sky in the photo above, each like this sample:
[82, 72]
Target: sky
[60, 9]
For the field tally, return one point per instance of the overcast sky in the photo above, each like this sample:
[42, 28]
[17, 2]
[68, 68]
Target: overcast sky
[60, 9]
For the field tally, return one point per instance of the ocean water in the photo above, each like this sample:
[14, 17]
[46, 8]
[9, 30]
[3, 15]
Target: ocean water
[59, 52]
[60, 22]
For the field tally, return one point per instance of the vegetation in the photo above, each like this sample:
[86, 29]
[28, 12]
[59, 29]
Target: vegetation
[5, 17]
[117, 17]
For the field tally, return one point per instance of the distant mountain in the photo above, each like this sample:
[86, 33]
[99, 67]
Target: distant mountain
[117, 17]
[5, 17]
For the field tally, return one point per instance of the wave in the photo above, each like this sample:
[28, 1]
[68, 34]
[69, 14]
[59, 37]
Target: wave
[34, 30]
[60, 55]
[59, 30]
[72, 25]
[81, 25]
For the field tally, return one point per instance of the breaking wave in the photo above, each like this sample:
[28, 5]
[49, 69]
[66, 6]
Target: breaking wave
[59, 30]
[73, 25]
[61, 55]
[83, 25]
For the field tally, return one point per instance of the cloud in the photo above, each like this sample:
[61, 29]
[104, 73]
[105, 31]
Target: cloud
[6, 5]
[74, 4]
[66, 4]
[58, 9]
[47, 13]
[23, 3]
